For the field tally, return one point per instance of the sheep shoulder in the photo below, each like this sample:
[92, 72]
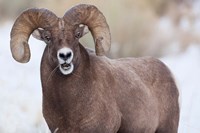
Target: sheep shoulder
[143, 88]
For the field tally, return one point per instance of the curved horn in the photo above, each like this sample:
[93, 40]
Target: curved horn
[25, 24]
[89, 15]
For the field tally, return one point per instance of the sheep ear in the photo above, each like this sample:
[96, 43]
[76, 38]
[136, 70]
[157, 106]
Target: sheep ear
[81, 31]
[38, 34]
[84, 29]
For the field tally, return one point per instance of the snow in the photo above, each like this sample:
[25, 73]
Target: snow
[186, 69]
[21, 98]
[20, 88]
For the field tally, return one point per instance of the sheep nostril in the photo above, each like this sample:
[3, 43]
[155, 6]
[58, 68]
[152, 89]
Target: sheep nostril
[69, 55]
[61, 55]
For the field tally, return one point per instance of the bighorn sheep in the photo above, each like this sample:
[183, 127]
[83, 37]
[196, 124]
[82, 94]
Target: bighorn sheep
[86, 92]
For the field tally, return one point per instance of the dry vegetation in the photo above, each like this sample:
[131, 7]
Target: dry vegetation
[134, 24]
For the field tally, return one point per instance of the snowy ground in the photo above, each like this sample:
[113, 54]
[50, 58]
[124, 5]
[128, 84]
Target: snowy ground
[20, 88]
[186, 69]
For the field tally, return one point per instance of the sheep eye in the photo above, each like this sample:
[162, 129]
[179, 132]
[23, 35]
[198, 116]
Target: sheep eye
[47, 39]
[78, 35]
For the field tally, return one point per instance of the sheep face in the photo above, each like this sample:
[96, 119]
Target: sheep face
[62, 45]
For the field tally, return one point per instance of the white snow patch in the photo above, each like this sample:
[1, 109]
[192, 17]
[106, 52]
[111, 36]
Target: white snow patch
[186, 68]
[20, 87]
[165, 24]
[185, 24]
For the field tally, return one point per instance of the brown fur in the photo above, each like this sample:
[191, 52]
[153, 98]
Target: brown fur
[102, 95]
[111, 96]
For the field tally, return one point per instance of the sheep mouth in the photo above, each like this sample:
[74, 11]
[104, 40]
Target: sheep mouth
[66, 66]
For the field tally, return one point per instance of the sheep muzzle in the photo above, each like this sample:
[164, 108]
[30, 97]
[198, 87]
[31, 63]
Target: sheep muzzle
[65, 56]
[65, 66]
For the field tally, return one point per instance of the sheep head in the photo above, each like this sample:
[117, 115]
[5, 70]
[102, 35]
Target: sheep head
[60, 34]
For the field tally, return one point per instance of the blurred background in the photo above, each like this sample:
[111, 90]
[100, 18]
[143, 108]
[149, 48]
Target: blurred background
[166, 29]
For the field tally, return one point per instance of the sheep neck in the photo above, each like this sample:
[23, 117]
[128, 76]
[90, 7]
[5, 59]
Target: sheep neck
[63, 95]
